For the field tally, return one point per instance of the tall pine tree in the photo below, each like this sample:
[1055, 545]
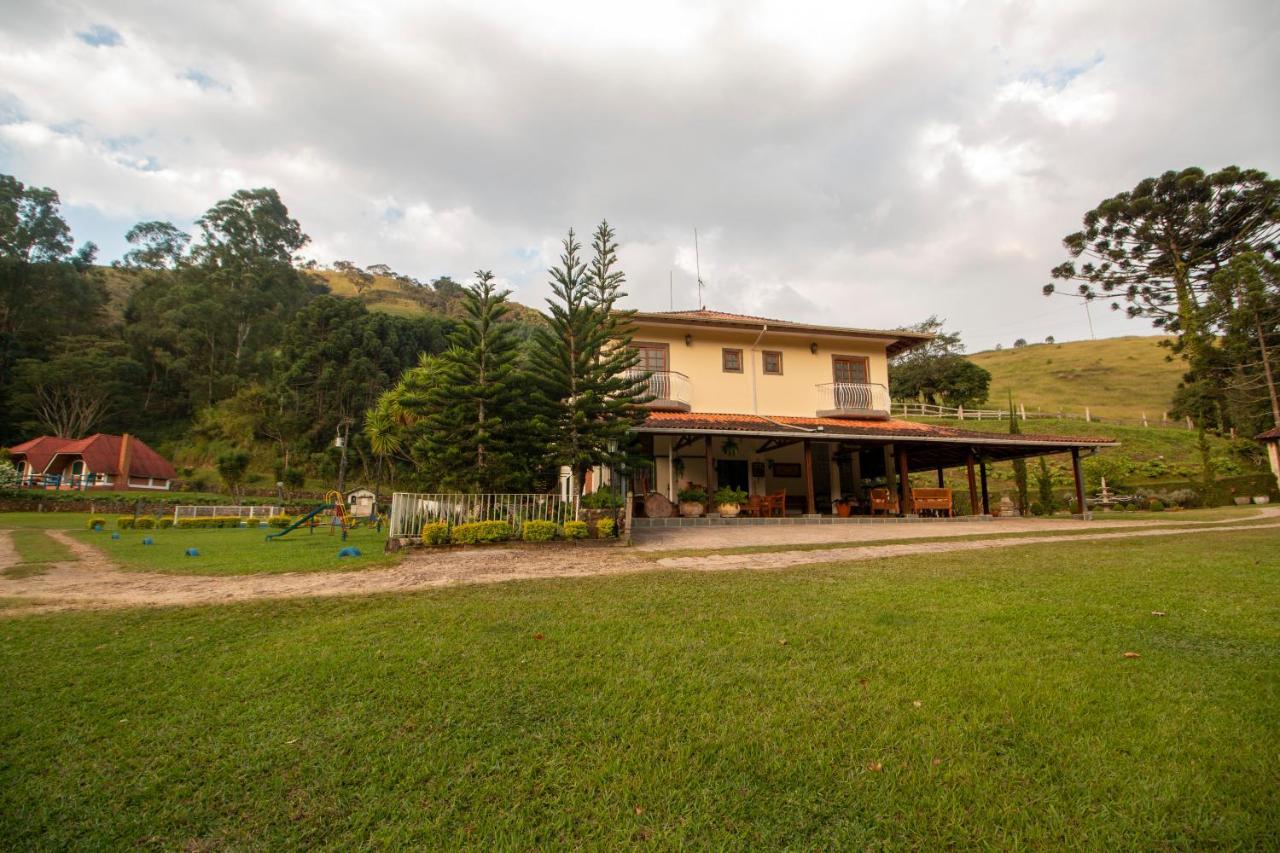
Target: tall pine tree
[584, 361]
[467, 440]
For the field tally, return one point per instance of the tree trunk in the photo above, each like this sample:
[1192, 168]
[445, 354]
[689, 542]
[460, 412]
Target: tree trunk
[1266, 371]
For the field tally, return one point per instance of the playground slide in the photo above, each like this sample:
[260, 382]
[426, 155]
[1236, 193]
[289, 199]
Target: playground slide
[301, 521]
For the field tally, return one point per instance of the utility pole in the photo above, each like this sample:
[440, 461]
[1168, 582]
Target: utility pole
[342, 441]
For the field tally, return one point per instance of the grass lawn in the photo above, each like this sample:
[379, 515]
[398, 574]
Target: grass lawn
[1114, 377]
[45, 520]
[959, 700]
[241, 551]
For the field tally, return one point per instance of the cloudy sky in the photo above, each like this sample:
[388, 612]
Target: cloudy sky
[862, 164]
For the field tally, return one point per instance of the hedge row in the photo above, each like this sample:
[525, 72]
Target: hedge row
[486, 532]
[128, 522]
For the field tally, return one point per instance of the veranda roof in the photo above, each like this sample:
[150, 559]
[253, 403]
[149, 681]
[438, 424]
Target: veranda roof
[928, 445]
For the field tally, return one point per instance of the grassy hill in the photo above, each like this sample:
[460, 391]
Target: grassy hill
[1114, 377]
[397, 297]
[384, 293]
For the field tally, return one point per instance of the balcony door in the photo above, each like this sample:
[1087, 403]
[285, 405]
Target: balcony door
[654, 358]
[850, 369]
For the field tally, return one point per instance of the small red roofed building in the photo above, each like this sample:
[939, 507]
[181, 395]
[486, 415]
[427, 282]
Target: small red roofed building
[101, 461]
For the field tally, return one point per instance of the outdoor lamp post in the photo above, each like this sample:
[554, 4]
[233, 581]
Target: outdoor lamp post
[341, 441]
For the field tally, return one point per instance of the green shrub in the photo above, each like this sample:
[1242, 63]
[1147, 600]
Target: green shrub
[145, 523]
[96, 522]
[538, 531]
[164, 523]
[480, 532]
[280, 522]
[435, 533]
[125, 522]
[575, 530]
[1156, 505]
[606, 529]
[602, 500]
[1037, 508]
[730, 495]
[692, 494]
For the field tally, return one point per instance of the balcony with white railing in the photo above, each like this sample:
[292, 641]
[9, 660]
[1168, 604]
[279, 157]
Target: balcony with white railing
[853, 400]
[671, 391]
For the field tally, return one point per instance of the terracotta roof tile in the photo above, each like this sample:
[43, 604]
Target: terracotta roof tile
[101, 454]
[848, 427]
[1272, 434]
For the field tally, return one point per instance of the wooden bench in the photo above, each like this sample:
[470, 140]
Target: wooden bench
[883, 500]
[932, 500]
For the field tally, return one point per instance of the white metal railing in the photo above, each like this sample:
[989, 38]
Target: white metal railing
[663, 385]
[409, 510]
[853, 397]
[204, 511]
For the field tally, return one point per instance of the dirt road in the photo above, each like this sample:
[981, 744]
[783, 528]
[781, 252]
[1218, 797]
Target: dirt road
[92, 582]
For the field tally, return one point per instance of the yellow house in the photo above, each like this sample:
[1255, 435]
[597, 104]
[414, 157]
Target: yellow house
[797, 414]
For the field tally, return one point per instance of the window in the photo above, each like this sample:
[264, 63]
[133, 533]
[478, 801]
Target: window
[850, 369]
[772, 362]
[653, 357]
[731, 360]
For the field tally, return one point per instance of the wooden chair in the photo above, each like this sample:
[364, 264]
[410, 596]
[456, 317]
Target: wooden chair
[777, 503]
[885, 501]
[931, 500]
[756, 506]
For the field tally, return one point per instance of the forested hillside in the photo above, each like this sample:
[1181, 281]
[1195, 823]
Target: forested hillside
[225, 350]
[209, 342]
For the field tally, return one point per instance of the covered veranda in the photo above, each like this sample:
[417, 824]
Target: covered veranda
[827, 468]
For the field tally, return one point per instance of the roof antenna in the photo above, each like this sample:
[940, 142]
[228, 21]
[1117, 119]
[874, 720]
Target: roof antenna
[697, 259]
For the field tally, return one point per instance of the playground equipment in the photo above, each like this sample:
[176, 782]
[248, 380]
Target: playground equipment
[333, 506]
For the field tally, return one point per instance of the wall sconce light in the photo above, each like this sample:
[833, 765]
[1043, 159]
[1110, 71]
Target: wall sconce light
[813, 348]
[688, 340]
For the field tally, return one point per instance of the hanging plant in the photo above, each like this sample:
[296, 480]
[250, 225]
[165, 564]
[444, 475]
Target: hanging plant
[730, 447]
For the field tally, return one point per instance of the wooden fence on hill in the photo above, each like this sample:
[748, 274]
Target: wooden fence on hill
[909, 409]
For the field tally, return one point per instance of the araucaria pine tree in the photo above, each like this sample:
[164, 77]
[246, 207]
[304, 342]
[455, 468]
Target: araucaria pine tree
[584, 361]
[468, 437]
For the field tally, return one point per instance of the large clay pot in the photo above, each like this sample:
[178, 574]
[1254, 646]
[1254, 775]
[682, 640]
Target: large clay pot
[691, 509]
[1262, 499]
[1242, 501]
[729, 510]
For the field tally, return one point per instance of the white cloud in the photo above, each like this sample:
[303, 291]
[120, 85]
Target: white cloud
[860, 163]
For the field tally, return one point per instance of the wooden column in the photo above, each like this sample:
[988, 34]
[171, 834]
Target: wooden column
[855, 468]
[711, 475]
[904, 483]
[941, 482]
[986, 500]
[973, 486]
[811, 503]
[1079, 475]
[890, 478]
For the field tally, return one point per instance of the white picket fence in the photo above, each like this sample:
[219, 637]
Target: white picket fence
[410, 510]
[205, 511]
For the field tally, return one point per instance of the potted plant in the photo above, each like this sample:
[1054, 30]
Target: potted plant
[692, 501]
[842, 507]
[729, 501]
